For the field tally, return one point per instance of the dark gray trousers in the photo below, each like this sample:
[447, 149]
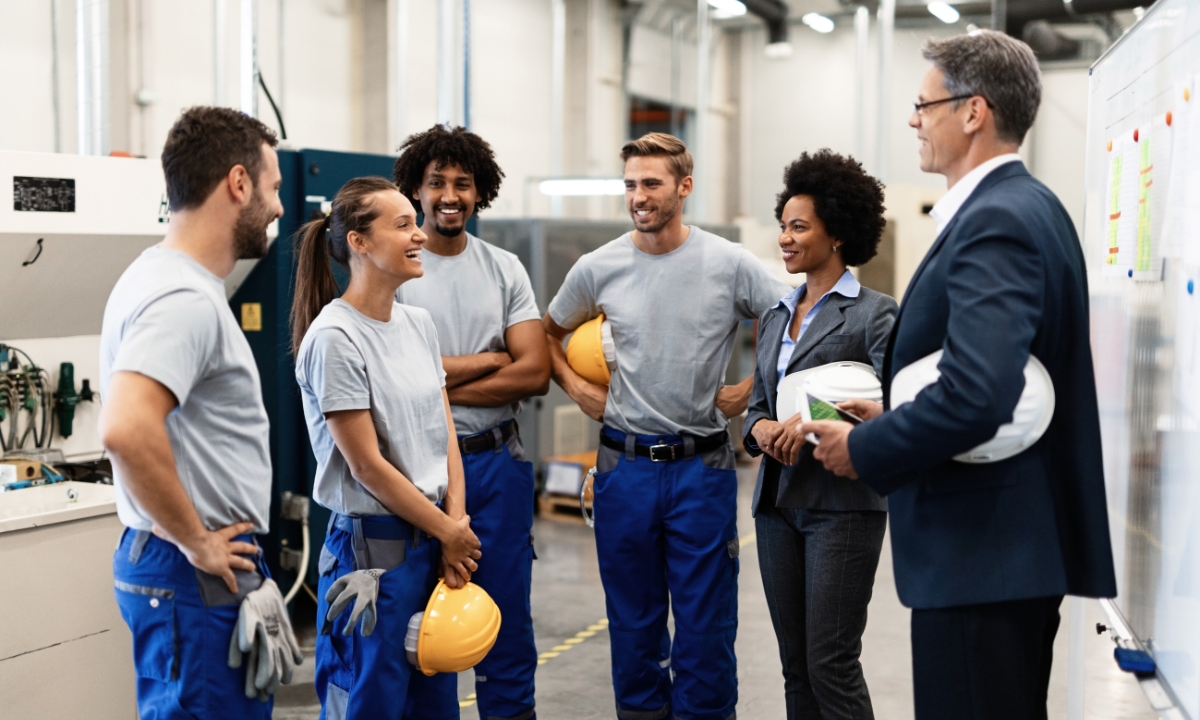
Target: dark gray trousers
[818, 569]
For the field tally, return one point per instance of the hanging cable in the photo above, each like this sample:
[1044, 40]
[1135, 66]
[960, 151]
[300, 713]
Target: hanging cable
[278, 117]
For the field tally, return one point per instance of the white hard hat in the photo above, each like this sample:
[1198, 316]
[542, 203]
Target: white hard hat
[835, 382]
[1031, 417]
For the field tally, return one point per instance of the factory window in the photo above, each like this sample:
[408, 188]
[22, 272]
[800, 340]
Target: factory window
[646, 116]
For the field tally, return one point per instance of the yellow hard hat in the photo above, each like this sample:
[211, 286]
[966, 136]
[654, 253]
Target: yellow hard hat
[457, 629]
[590, 351]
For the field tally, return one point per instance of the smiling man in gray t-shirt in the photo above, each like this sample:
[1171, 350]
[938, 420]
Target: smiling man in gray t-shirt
[666, 494]
[494, 353]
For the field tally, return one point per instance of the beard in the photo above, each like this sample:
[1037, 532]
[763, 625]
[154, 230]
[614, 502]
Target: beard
[666, 212]
[447, 231]
[250, 240]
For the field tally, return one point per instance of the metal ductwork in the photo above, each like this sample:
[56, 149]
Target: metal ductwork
[1021, 12]
[1047, 43]
[775, 14]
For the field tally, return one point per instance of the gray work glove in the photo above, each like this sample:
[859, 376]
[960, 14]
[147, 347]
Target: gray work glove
[360, 586]
[264, 634]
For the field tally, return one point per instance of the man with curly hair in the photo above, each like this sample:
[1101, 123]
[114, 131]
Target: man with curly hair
[666, 494]
[495, 356]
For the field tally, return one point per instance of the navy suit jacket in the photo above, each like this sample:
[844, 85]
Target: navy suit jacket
[1005, 278]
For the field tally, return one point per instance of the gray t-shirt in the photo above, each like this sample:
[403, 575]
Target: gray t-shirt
[673, 320]
[474, 297]
[349, 361]
[168, 319]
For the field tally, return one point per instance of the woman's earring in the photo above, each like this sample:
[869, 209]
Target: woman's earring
[835, 248]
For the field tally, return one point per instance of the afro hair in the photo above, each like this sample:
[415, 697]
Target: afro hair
[847, 199]
[448, 146]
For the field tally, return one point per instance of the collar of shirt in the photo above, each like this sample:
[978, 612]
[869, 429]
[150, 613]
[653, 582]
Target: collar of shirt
[846, 286]
[946, 208]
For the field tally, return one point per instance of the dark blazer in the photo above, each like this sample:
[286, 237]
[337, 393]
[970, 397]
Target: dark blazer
[1005, 278]
[844, 329]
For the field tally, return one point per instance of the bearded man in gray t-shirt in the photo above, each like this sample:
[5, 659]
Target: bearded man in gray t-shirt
[665, 496]
[494, 354]
[184, 423]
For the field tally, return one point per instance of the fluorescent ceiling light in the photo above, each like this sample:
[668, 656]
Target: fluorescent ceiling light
[723, 9]
[943, 11]
[818, 22]
[778, 50]
[582, 186]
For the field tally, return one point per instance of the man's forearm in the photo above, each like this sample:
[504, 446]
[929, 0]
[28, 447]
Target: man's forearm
[462, 369]
[507, 385]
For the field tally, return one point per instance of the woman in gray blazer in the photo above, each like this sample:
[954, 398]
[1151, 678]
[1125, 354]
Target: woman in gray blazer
[819, 535]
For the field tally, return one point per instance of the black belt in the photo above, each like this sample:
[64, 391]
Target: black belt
[668, 451]
[488, 439]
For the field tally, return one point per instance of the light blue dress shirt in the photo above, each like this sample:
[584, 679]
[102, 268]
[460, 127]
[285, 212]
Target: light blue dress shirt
[846, 286]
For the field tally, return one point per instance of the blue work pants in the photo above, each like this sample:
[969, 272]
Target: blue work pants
[182, 621]
[370, 678]
[666, 537]
[499, 485]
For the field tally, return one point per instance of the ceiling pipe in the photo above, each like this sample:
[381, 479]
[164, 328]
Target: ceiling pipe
[775, 14]
[92, 76]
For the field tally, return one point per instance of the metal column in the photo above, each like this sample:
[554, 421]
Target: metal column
[220, 25]
[558, 60]
[700, 142]
[862, 27]
[91, 70]
[248, 59]
[400, 71]
[887, 21]
[445, 64]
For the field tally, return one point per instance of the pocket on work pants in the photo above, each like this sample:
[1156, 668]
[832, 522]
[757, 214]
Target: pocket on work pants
[150, 614]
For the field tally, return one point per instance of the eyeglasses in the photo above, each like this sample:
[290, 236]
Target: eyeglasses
[919, 108]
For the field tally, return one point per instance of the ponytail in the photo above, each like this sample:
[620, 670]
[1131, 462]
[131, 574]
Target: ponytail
[353, 211]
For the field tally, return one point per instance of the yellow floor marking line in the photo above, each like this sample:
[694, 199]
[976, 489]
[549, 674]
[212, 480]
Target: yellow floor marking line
[555, 651]
[582, 635]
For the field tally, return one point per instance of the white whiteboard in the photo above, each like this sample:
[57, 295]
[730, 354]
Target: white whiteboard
[1142, 242]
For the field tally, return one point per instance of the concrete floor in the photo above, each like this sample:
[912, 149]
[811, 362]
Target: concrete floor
[573, 680]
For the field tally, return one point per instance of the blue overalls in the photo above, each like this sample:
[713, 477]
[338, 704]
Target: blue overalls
[666, 537]
[499, 486]
[182, 620]
[364, 678]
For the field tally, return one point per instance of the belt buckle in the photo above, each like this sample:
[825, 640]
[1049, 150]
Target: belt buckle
[662, 453]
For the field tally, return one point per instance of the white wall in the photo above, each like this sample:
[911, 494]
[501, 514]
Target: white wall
[26, 81]
[805, 102]
[1056, 145]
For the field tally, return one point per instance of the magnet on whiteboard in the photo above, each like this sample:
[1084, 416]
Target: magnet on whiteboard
[1169, 118]
[1135, 135]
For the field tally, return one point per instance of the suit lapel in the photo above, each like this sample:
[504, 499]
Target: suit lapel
[829, 318]
[771, 333]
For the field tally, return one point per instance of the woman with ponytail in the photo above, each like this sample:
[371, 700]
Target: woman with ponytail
[388, 466]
